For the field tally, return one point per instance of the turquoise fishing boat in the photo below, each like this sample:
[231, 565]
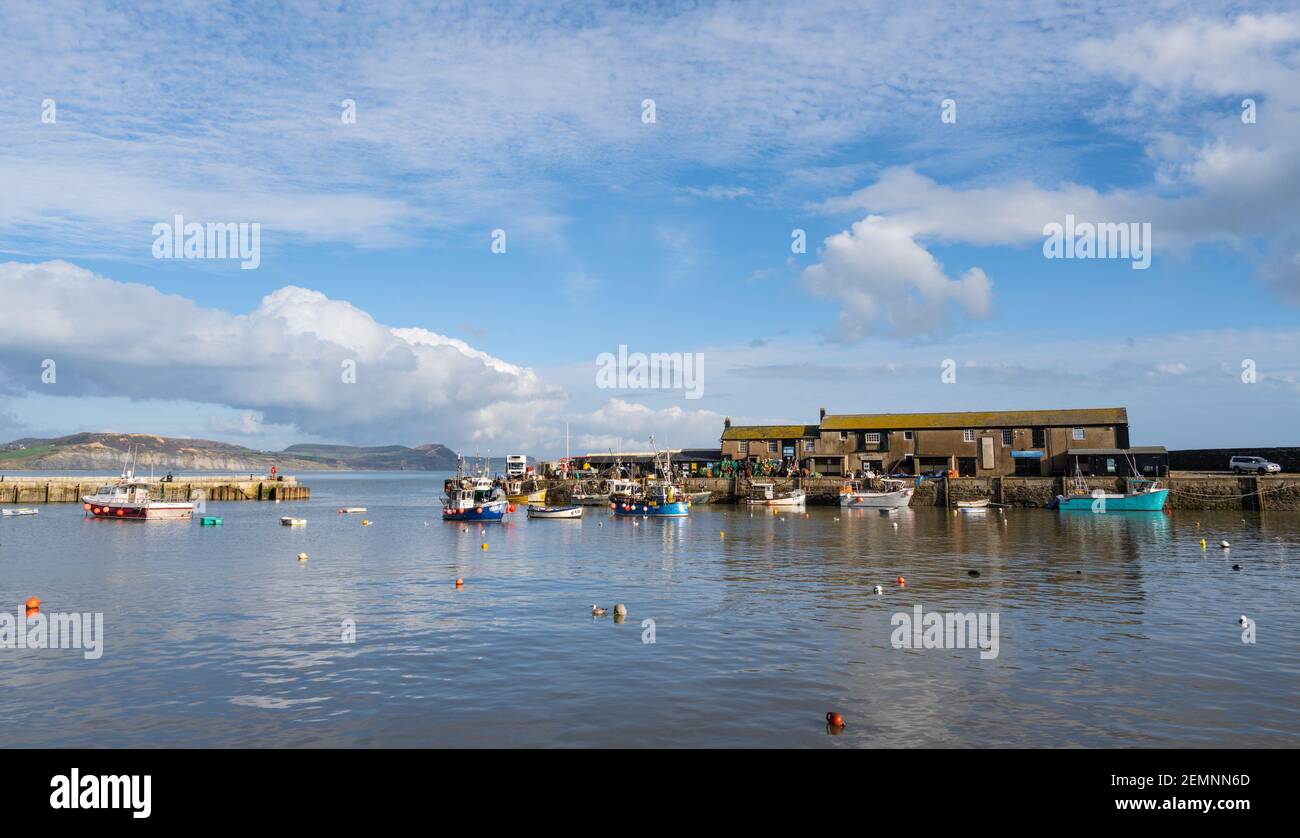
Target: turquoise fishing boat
[1143, 496]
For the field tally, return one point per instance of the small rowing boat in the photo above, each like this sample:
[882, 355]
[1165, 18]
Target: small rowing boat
[897, 495]
[22, 511]
[973, 505]
[352, 510]
[558, 512]
[286, 521]
[699, 497]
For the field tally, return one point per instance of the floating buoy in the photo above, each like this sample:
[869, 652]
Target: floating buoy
[460, 583]
[1203, 544]
[1243, 621]
[302, 557]
[879, 589]
[620, 610]
[365, 523]
[1224, 544]
[485, 545]
[85, 506]
[1236, 567]
[722, 534]
[33, 603]
[902, 581]
[834, 719]
[510, 507]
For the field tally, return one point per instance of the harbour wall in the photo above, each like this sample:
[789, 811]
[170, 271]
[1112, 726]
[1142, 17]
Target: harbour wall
[1280, 493]
[30, 490]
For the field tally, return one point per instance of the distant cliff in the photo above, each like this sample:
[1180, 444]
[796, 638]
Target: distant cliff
[106, 452]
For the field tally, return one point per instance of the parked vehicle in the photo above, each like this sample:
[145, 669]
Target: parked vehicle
[1257, 465]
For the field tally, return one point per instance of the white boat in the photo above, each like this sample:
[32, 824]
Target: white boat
[588, 493]
[573, 511]
[700, 497]
[352, 510]
[767, 495]
[286, 521]
[898, 495]
[128, 499]
[22, 511]
[973, 505]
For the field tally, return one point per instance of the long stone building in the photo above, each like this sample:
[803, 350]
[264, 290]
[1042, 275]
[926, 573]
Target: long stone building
[969, 443]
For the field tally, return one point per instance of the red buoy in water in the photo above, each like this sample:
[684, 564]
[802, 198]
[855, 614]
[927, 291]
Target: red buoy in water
[33, 603]
[834, 719]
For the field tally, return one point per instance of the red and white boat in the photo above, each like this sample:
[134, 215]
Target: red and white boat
[128, 499]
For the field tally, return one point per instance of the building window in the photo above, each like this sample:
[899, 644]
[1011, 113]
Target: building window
[808, 445]
[1006, 439]
[844, 436]
[968, 436]
[744, 447]
[1078, 433]
[873, 438]
[907, 435]
[771, 447]
[1040, 437]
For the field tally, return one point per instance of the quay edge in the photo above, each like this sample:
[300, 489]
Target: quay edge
[18, 490]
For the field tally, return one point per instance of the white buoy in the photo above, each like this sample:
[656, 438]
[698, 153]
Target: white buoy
[879, 590]
[1243, 621]
[1224, 544]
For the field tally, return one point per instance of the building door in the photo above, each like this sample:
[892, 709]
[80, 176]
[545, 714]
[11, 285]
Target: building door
[986, 453]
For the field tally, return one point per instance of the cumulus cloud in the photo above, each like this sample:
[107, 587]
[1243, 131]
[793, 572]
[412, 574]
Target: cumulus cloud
[879, 273]
[287, 362]
[620, 425]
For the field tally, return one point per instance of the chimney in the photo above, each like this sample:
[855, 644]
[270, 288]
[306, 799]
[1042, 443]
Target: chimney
[726, 423]
[823, 415]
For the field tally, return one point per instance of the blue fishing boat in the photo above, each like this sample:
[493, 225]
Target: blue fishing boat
[661, 499]
[473, 498]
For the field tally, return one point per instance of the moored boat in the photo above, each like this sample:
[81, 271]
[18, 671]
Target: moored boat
[1146, 497]
[661, 499]
[288, 521]
[897, 495]
[515, 493]
[473, 498]
[18, 512]
[558, 512]
[768, 495]
[698, 498]
[973, 505]
[129, 500]
[352, 510]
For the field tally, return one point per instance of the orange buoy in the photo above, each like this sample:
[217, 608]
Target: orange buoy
[460, 583]
[902, 581]
[33, 603]
[510, 508]
[121, 512]
[834, 719]
[85, 506]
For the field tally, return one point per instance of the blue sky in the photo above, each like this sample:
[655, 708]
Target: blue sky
[924, 236]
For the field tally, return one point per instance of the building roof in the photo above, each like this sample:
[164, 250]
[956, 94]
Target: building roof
[1137, 449]
[976, 419]
[770, 431]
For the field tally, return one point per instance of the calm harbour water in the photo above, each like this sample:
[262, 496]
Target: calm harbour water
[219, 637]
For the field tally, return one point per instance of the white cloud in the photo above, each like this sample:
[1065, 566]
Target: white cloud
[879, 272]
[284, 362]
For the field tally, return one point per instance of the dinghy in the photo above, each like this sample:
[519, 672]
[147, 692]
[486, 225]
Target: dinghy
[286, 521]
[574, 511]
[23, 511]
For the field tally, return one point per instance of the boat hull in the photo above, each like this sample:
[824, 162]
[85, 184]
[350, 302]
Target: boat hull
[494, 511]
[152, 512]
[649, 509]
[785, 503]
[538, 496]
[877, 500]
[1141, 502]
[561, 513]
